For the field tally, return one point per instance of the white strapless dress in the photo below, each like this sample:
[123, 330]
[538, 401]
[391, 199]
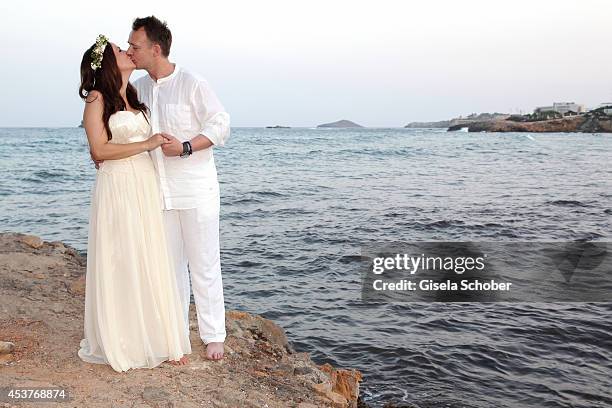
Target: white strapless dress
[133, 315]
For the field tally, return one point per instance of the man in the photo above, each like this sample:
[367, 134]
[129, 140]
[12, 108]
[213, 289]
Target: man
[186, 110]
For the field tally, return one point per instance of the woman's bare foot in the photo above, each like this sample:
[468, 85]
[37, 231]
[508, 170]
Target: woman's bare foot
[182, 361]
[214, 351]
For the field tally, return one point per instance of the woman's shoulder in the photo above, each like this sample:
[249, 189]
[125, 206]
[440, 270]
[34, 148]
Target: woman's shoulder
[94, 96]
[94, 105]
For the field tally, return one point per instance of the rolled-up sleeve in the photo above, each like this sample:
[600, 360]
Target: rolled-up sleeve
[213, 120]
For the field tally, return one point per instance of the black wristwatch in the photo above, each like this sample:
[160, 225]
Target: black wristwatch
[186, 150]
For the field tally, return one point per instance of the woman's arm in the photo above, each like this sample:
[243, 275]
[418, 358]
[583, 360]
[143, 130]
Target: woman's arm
[99, 145]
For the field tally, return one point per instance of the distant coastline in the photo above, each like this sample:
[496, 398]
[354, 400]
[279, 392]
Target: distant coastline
[458, 121]
[595, 121]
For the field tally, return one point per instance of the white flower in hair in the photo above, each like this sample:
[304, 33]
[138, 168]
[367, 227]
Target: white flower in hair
[98, 52]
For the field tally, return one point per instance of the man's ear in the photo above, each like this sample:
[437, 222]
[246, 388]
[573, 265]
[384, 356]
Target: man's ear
[156, 49]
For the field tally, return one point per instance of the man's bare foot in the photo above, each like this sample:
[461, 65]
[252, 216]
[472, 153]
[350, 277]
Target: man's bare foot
[214, 350]
[182, 361]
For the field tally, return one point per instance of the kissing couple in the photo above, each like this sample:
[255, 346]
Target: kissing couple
[154, 218]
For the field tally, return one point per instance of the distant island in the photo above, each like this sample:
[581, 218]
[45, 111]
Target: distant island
[278, 127]
[340, 124]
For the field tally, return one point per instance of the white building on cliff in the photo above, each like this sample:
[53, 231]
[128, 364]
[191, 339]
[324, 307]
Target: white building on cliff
[562, 107]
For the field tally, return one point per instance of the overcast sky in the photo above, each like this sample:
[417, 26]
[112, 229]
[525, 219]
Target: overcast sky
[382, 63]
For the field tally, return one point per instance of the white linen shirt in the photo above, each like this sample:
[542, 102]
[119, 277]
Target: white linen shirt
[183, 105]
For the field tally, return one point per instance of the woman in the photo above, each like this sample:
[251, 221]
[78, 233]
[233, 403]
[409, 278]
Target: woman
[133, 316]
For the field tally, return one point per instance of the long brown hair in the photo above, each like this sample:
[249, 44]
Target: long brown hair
[107, 80]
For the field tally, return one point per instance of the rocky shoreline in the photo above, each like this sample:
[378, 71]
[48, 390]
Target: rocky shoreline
[42, 286]
[464, 121]
[582, 124]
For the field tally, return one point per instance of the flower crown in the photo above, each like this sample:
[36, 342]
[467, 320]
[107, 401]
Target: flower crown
[98, 52]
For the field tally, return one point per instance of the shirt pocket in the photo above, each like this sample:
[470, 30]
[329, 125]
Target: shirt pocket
[178, 117]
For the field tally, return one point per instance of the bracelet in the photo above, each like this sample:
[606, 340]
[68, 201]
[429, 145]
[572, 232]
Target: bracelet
[187, 150]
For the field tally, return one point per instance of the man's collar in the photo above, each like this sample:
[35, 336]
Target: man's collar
[166, 78]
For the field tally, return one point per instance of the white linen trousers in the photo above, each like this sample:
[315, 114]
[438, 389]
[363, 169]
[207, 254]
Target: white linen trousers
[193, 237]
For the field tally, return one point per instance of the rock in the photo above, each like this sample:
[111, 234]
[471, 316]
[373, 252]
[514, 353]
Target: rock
[6, 347]
[229, 398]
[58, 246]
[322, 388]
[282, 369]
[33, 241]
[583, 123]
[57, 308]
[6, 358]
[74, 255]
[338, 400]
[344, 382]
[228, 349]
[306, 405]
[594, 124]
[258, 327]
[306, 370]
[325, 390]
[260, 374]
[302, 370]
[154, 394]
[78, 286]
[347, 384]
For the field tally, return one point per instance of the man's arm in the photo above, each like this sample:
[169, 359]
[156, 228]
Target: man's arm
[213, 120]
[175, 147]
[200, 142]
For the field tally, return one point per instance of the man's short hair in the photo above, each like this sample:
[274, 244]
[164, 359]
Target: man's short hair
[157, 32]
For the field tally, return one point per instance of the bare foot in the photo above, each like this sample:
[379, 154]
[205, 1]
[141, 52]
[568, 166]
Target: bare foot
[214, 351]
[182, 361]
